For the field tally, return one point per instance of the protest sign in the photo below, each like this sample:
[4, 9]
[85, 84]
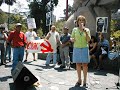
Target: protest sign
[31, 23]
[39, 46]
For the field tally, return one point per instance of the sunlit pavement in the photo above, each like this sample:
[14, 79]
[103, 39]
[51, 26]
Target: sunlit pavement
[54, 78]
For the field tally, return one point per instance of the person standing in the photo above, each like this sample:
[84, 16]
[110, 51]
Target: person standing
[8, 49]
[64, 48]
[3, 38]
[80, 37]
[53, 38]
[30, 35]
[18, 41]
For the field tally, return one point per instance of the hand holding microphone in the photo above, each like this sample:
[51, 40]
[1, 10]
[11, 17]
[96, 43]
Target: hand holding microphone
[82, 26]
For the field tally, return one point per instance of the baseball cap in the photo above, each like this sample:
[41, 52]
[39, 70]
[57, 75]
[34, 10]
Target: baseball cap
[18, 24]
[65, 28]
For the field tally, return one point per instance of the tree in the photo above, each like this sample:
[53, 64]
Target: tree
[3, 17]
[38, 10]
[59, 25]
[70, 11]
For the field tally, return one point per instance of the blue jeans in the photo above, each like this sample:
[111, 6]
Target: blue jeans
[8, 51]
[64, 56]
[18, 54]
[51, 56]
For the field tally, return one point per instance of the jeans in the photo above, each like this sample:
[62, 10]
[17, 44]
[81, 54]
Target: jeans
[8, 51]
[64, 56]
[18, 54]
[50, 56]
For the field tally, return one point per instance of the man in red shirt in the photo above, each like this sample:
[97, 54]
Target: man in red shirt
[18, 42]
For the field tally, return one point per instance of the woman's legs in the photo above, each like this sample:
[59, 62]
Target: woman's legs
[85, 70]
[78, 67]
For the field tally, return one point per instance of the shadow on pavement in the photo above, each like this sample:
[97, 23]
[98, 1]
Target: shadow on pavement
[77, 88]
[101, 73]
[60, 69]
[3, 79]
[13, 87]
[46, 67]
[8, 66]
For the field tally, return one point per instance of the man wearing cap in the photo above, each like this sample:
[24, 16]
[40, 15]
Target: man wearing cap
[64, 48]
[3, 38]
[18, 42]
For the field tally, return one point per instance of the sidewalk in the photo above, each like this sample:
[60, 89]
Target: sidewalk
[59, 79]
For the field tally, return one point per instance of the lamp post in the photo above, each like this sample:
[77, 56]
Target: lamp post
[8, 16]
[66, 10]
[51, 11]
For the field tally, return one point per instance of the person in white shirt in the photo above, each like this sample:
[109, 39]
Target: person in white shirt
[30, 35]
[53, 38]
[3, 38]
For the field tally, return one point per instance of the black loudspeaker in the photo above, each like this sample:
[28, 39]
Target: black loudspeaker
[22, 76]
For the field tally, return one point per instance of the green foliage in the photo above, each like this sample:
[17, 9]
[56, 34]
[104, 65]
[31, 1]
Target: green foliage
[116, 34]
[115, 28]
[38, 10]
[115, 24]
[15, 18]
[3, 17]
[59, 25]
[40, 32]
[70, 11]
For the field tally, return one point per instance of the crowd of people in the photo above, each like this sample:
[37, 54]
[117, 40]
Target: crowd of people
[84, 46]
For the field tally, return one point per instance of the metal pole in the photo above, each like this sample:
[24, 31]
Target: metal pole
[66, 10]
[51, 11]
[8, 16]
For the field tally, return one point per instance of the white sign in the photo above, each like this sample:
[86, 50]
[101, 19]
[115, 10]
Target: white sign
[31, 23]
[39, 46]
[48, 18]
[102, 24]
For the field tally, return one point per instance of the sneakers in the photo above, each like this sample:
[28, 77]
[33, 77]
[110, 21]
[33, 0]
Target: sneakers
[34, 60]
[100, 68]
[47, 65]
[77, 84]
[25, 60]
[62, 66]
[3, 63]
[85, 85]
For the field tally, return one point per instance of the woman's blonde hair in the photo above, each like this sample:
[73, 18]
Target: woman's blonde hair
[79, 18]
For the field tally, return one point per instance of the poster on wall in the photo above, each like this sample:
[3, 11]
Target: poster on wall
[31, 23]
[101, 24]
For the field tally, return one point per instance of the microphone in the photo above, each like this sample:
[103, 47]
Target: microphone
[83, 27]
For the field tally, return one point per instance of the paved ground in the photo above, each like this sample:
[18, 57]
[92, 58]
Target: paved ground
[59, 79]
